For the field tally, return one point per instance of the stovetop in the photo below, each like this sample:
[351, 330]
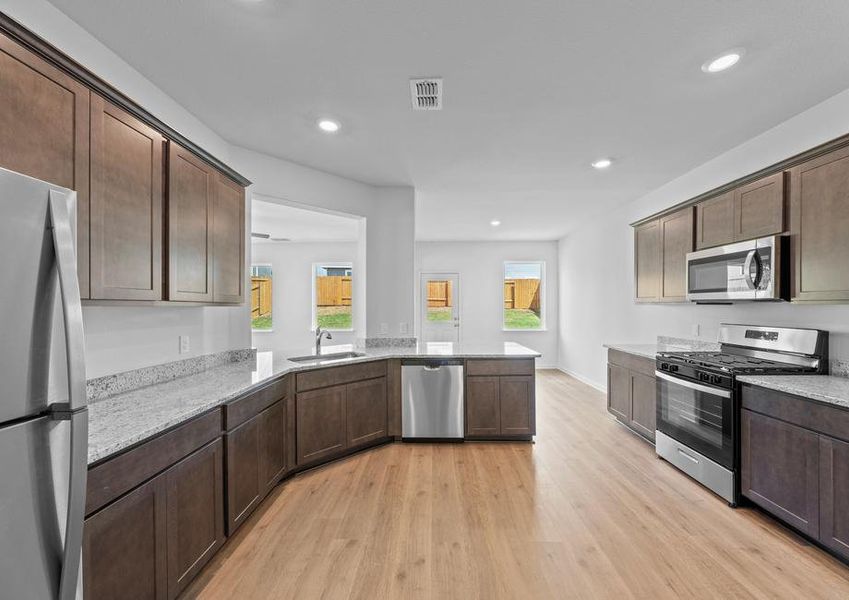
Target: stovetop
[734, 363]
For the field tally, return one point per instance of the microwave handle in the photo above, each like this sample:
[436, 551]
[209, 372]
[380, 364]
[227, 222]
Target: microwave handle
[751, 283]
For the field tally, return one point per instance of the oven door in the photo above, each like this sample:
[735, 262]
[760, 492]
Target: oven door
[699, 416]
[742, 271]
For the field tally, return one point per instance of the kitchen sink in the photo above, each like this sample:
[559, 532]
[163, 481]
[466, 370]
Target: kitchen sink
[326, 357]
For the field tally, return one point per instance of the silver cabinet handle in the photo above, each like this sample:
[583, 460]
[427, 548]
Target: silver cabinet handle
[72, 550]
[66, 266]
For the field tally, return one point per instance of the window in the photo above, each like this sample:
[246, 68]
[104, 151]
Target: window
[523, 294]
[261, 297]
[332, 293]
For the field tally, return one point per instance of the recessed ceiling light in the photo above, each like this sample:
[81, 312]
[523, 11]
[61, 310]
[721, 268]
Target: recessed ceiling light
[726, 60]
[495, 223]
[602, 163]
[329, 125]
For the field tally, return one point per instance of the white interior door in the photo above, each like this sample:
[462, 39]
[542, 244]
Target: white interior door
[440, 307]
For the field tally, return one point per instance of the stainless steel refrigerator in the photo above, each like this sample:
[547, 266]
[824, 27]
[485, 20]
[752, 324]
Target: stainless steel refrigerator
[43, 416]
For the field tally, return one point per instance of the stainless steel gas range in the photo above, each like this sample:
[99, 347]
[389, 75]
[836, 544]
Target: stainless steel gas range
[698, 412]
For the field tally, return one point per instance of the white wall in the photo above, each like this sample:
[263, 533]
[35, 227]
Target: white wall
[292, 290]
[596, 262]
[121, 338]
[481, 269]
[389, 229]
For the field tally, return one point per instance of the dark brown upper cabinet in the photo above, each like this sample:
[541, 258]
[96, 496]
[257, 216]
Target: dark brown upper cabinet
[819, 222]
[647, 267]
[759, 207]
[44, 132]
[126, 205]
[715, 221]
[228, 241]
[676, 240]
[191, 193]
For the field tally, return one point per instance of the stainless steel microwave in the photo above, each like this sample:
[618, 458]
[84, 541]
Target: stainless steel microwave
[750, 270]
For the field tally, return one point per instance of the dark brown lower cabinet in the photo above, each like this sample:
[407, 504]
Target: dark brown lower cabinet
[321, 428]
[500, 406]
[151, 542]
[631, 392]
[194, 513]
[780, 470]
[365, 410]
[256, 461]
[124, 547]
[834, 495]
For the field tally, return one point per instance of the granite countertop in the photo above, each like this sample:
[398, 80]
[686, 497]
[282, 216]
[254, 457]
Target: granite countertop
[647, 350]
[823, 388]
[122, 420]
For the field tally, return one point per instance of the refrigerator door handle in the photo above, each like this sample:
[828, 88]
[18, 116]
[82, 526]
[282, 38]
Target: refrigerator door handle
[66, 264]
[72, 550]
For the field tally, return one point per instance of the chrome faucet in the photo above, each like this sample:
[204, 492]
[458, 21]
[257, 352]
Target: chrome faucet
[320, 333]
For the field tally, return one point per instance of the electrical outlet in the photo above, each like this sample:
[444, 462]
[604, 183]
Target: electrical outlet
[403, 328]
[695, 330]
[184, 344]
[384, 328]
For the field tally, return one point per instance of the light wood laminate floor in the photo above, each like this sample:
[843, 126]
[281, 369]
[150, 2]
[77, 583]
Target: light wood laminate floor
[586, 512]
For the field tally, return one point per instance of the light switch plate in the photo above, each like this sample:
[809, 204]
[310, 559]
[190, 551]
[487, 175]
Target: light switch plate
[402, 328]
[384, 328]
[184, 344]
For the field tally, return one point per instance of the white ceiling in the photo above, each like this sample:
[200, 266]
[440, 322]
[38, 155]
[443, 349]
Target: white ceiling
[534, 90]
[300, 225]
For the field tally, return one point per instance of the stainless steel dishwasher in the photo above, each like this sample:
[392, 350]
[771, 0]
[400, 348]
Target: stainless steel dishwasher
[432, 399]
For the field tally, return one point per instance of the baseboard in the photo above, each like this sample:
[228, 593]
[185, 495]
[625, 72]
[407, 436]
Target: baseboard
[582, 379]
[540, 367]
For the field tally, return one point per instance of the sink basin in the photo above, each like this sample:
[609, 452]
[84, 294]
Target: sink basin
[326, 357]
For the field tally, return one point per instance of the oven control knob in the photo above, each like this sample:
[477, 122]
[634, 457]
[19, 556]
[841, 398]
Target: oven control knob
[715, 379]
[673, 368]
[664, 366]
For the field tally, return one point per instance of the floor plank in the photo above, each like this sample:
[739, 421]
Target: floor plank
[587, 511]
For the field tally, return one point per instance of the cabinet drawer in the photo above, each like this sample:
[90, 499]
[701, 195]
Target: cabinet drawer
[118, 475]
[500, 366]
[632, 362]
[241, 409]
[803, 412]
[320, 378]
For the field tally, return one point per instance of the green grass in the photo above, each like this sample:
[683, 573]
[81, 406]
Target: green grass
[440, 313]
[334, 317]
[520, 318]
[261, 322]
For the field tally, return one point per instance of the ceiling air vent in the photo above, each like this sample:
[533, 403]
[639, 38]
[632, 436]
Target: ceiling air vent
[426, 93]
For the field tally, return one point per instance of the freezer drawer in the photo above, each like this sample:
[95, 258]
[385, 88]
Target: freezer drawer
[432, 400]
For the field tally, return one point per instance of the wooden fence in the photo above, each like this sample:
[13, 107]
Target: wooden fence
[333, 290]
[260, 296]
[521, 293]
[439, 294]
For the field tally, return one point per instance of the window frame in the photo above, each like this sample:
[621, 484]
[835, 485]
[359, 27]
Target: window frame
[543, 326]
[270, 266]
[331, 264]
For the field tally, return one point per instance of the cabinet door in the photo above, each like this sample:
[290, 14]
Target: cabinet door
[273, 446]
[834, 492]
[44, 132]
[516, 400]
[321, 427]
[643, 404]
[366, 411]
[647, 267]
[228, 242]
[126, 205]
[191, 184]
[124, 547]
[483, 413]
[780, 470]
[819, 220]
[245, 485]
[619, 392]
[715, 221]
[194, 514]
[676, 231]
[759, 208]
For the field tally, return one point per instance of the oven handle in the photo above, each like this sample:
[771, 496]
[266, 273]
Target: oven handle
[693, 386]
[752, 283]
